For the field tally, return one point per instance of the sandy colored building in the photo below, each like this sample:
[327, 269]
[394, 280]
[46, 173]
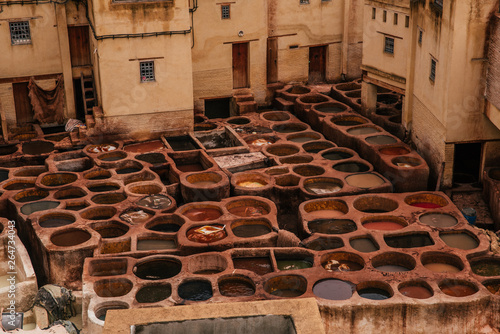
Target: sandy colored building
[438, 58]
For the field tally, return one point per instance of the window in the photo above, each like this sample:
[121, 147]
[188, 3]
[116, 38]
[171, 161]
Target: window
[384, 16]
[147, 71]
[395, 19]
[20, 32]
[389, 45]
[420, 36]
[225, 11]
[407, 21]
[432, 75]
[304, 2]
[374, 13]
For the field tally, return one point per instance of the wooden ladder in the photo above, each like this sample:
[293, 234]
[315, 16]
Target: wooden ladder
[88, 92]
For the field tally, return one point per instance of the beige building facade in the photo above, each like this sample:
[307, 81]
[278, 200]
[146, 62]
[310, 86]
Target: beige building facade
[440, 64]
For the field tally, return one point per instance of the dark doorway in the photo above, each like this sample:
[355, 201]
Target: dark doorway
[272, 60]
[467, 163]
[79, 104]
[317, 64]
[240, 65]
[79, 46]
[24, 111]
[217, 108]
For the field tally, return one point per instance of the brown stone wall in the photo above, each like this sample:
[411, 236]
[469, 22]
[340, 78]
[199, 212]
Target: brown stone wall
[493, 78]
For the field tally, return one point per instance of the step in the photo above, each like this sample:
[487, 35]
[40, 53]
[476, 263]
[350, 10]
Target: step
[282, 104]
[246, 107]
[243, 98]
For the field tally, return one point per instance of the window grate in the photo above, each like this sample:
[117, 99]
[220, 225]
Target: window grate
[147, 71]
[20, 32]
[389, 45]
[432, 75]
[304, 2]
[225, 12]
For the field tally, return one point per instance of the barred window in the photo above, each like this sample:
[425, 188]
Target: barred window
[20, 32]
[432, 75]
[147, 71]
[304, 2]
[389, 45]
[225, 11]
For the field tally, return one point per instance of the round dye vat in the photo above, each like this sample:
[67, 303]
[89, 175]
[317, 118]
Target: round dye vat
[426, 205]
[135, 216]
[336, 155]
[251, 184]
[329, 109]
[251, 230]
[109, 230]
[486, 267]
[383, 225]
[302, 139]
[195, 167]
[195, 290]
[325, 214]
[332, 226]
[7, 149]
[364, 130]
[333, 289]
[441, 268]
[203, 214]
[364, 245]
[391, 268]
[248, 211]
[394, 151]
[70, 238]
[288, 286]
[157, 269]
[234, 287]
[204, 183]
[20, 185]
[440, 220]
[56, 220]
[259, 265]
[37, 147]
[157, 202]
[28, 209]
[342, 265]
[128, 170]
[155, 244]
[493, 287]
[325, 243]
[374, 294]
[322, 188]
[4, 175]
[459, 240]
[153, 293]
[293, 264]
[415, 291]
[381, 140]
[364, 181]
[101, 148]
[166, 228]
[260, 142]
[35, 196]
[351, 167]
[456, 289]
[144, 147]
[206, 234]
[103, 188]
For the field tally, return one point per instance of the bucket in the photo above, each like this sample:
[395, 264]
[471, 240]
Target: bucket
[470, 215]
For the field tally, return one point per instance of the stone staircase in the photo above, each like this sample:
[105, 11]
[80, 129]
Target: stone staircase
[243, 102]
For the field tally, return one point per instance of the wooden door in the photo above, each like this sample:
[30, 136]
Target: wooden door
[24, 111]
[240, 65]
[317, 64]
[272, 60]
[79, 46]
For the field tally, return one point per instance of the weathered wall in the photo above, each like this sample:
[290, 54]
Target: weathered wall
[116, 66]
[389, 68]
[42, 56]
[212, 51]
[493, 77]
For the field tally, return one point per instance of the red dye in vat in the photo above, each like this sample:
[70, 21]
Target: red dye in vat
[383, 226]
[394, 151]
[458, 290]
[248, 211]
[206, 234]
[145, 147]
[418, 292]
[426, 205]
[202, 214]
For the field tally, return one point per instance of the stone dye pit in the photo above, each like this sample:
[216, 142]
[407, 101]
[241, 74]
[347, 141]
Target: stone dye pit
[206, 218]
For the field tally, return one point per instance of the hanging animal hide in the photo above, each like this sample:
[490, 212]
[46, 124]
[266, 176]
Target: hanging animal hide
[48, 105]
